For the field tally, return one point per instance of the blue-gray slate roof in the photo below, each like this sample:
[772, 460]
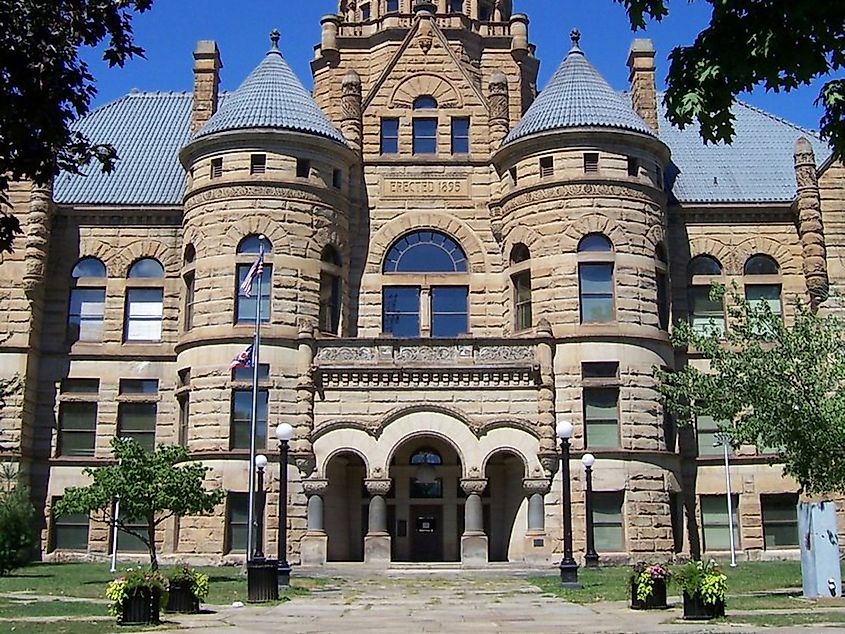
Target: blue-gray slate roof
[271, 97]
[758, 166]
[578, 96]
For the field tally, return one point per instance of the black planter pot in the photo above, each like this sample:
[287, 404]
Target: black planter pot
[140, 607]
[181, 597]
[695, 609]
[262, 580]
[657, 599]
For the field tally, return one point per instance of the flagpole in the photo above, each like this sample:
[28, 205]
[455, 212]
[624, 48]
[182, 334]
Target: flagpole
[250, 536]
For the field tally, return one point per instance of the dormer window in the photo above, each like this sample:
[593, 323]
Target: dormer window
[216, 168]
[591, 162]
[547, 167]
[258, 164]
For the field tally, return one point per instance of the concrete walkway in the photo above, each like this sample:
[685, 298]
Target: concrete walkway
[445, 602]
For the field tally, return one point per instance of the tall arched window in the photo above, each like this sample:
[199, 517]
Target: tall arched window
[249, 249]
[761, 277]
[86, 307]
[425, 125]
[144, 301]
[661, 277]
[434, 304]
[595, 278]
[331, 275]
[520, 265]
[705, 314]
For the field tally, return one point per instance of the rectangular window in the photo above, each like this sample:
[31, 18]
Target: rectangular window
[246, 306]
[759, 294]
[258, 164]
[80, 386]
[715, 527]
[522, 300]
[70, 532]
[138, 421]
[780, 520]
[390, 136]
[329, 318]
[184, 401]
[337, 179]
[85, 314]
[596, 283]
[705, 315]
[144, 313]
[245, 374]
[365, 11]
[426, 490]
[77, 429]
[662, 300]
[601, 417]
[591, 162]
[514, 174]
[425, 136]
[401, 311]
[600, 370]
[607, 521]
[460, 135]
[705, 429]
[139, 386]
[188, 322]
[129, 543]
[547, 167]
[216, 168]
[456, 6]
[449, 313]
[242, 419]
[237, 518]
[392, 6]
[633, 166]
[303, 168]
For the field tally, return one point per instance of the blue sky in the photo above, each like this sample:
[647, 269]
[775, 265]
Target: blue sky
[170, 31]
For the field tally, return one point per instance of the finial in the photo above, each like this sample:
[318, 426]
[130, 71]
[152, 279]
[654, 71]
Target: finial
[274, 39]
[575, 34]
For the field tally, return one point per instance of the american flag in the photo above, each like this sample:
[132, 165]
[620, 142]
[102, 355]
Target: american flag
[255, 271]
[243, 359]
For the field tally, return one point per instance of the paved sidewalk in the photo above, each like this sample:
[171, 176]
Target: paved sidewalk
[399, 603]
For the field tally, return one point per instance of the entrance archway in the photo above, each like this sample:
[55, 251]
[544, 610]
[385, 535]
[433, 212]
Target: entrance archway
[345, 507]
[504, 471]
[425, 517]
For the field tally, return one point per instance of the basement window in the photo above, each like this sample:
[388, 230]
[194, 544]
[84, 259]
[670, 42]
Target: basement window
[303, 168]
[216, 168]
[547, 167]
[633, 166]
[591, 162]
[258, 164]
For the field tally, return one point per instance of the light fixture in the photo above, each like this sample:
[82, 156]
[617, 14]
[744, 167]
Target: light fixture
[284, 432]
[564, 429]
[260, 461]
[588, 460]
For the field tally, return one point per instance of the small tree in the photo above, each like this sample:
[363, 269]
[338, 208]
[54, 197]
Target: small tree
[151, 486]
[770, 383]
[17, 519]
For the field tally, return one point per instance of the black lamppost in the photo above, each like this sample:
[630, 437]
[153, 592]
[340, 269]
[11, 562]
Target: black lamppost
[284, 433]
[260, 463]
[591, 558]
[568, 567]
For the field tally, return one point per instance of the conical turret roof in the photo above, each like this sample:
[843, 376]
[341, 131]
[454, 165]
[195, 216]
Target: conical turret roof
[577, 96]
[271, 97]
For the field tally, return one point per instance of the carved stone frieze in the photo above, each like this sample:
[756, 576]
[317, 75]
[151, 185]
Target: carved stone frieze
[473, 486]
[315, 487]
[536, 485]
[227, 192]
[505, 353]
[347, 353]
[426, 353]
[378, 487]
[575, 190]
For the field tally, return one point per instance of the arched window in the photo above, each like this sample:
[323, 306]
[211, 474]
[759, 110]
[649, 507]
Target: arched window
[86, 308]
[661, 276]
[762, 282]
[189, 278]
[520, 261]
[595, 278]
[705, 314]
[425, 127]
[330, 290]
[426, 456]
[144, 302]
[443, 289]
[250, 250]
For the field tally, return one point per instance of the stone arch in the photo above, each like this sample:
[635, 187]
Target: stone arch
[193, 235]
[460, 231]
[340, 451]
[421, 433]
[789, 263]
[719, 250]
[340, 440]
[595, 223]
[524, 235]
[95, 248]
[654, 236]
[169, 258]
[442, 90]
[237, 231]
[505, 450]
[399, 412]
[330, 236]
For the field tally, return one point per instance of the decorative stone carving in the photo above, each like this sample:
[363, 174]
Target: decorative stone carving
[378, 487]
[549, 462]
[536, 485]
[351, 121]
[810, 227]
[306, 463]
[472, 486]
[576, 190]
[315, 487]
[37, 237]
[226, 192]
[346, 353]
[425, 38]
[499, 103]
[506, 353]
[426, 353]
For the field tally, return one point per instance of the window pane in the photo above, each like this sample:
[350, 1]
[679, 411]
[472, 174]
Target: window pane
[138, 422]
[758, 294]
[662, 300]
[246, 306]
[425, 136]
[460, 135]
[246, 374]
[760, 265]
[596, 278]
[595, 242]
[714, 519]
[330, 287]
[80, 386]
[401, 311]
[601, 417]
[780, 520]
[607, 521]
[70, 532]
[129, 543]
[146, 268]
[705, 315]
[237, 514]
[139, 386]
[144, 312]
[704, 265]
[449, 316]
[89, 267]
[85, 314]
[242, 419]
[425, 252]
[390, 136]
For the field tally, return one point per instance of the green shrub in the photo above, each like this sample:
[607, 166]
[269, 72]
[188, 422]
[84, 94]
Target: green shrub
[17, 535]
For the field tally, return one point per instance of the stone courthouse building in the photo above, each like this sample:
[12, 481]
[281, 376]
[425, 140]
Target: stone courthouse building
[455, 261]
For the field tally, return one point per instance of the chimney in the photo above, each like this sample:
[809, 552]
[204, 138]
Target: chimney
[641, 78]
[207, 67]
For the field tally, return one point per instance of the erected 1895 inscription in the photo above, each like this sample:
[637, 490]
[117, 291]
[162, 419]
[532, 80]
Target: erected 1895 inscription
[428, 187]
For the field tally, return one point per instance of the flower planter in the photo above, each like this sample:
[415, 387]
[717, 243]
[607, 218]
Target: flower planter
[657, 599]
[140, 607]
[695, 609]
[181, 597]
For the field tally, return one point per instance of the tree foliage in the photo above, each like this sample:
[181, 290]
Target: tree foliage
[17, 522]
[151, 486]
[45, 86]
[778, 44]
[771, 384]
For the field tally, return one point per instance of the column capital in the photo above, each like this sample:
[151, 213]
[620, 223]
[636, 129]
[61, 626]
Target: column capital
[536, 485]
[315, 486]
[473, 485]
[378, 487]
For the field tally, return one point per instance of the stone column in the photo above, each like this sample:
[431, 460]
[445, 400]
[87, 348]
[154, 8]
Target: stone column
[548, 453]
[499, 109]
[377, 540]
[351, 112]
[537, 544]
[810, 227]
[474, 549]
[301, 448]
[314, 546]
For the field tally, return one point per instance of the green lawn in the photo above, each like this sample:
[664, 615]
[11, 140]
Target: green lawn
[13, 608]
[75, 627]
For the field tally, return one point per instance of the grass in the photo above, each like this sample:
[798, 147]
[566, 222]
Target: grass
[784, 620]
[12, 608]
[75, 627]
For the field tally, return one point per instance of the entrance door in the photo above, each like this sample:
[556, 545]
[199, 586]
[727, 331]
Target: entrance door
[426, 533]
